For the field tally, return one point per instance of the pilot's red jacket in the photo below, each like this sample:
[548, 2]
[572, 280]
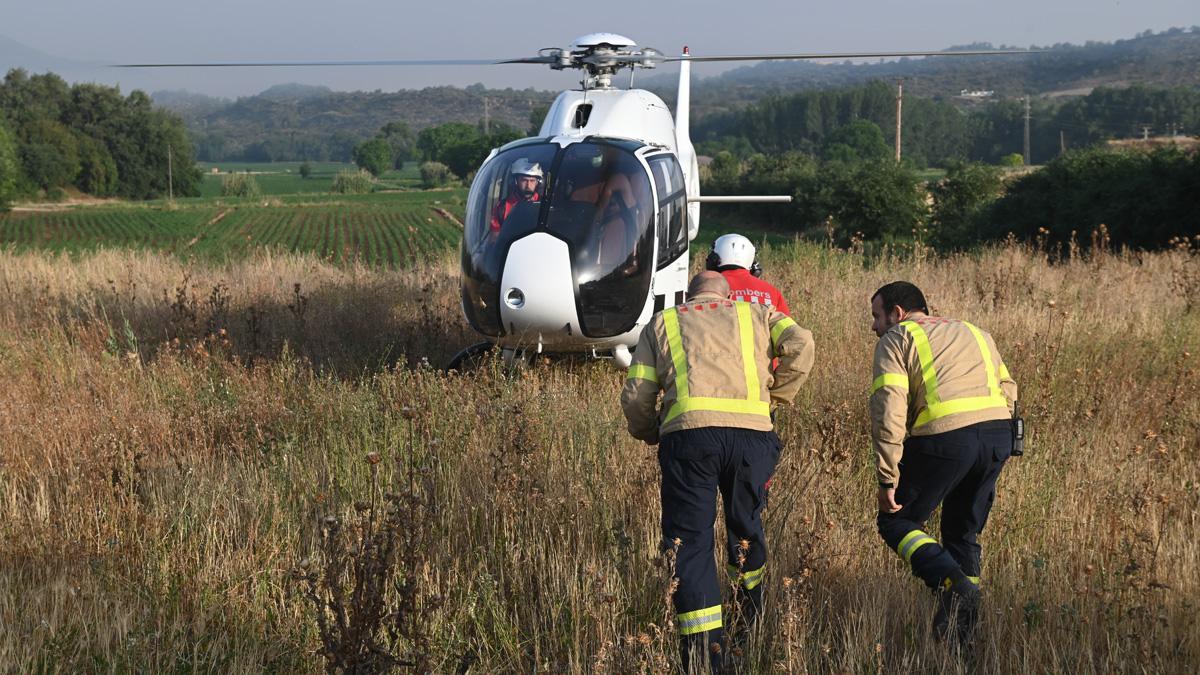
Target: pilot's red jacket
[749, 288]
[505, 207]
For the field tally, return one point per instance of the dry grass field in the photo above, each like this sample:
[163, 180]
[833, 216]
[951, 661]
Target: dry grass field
[194, 458]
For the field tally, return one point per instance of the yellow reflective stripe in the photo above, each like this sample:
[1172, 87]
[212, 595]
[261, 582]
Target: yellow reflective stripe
[989, 367]
[889, 380]
[925, 355]
[727, 405]
[935, 408]
[754, 578]
[751, 405]
[908, 538]
[746, 334]
[946, 582]
[959, 405]
[780, 326]
[675, 346]
[642, 372]
[748, 579]
[1004, 372]
[700, 620]
[911, 542]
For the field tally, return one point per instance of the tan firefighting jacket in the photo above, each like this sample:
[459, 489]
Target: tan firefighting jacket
[932, 375]
[711, 360]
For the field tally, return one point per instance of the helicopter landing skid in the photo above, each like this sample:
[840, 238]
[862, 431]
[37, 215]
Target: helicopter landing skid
[470, 357]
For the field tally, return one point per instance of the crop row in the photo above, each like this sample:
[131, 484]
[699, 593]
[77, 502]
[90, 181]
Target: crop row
[398, 233]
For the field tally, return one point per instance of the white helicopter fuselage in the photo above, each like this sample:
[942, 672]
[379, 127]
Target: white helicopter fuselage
[540, 301]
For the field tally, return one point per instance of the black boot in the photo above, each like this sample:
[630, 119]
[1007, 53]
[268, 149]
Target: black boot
[696, 649]
[749, 606]
[958, 608]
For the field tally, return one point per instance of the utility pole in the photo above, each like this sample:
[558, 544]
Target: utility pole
[170, 177]
[1145, 132]
[487, 117]
[1062, 142]
[899, 107]
[1027, 158]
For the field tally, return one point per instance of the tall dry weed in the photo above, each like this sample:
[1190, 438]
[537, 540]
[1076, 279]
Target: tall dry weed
[173, 437]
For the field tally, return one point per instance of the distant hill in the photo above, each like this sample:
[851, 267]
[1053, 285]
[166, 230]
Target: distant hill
[189, 104]
[293, 121]
[295, 92]
[13, 54]
[322, 124]
[1170, 58]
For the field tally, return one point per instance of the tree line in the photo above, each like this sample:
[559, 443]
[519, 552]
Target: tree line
[448, 152]
[88, 136]
[1165, 59]
[1138, 198]
[939, 133]
[295, 123]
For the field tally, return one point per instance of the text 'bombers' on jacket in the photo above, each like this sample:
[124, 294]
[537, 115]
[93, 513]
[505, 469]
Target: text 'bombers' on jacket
[932, 375]
[746, 287]
[711, 359]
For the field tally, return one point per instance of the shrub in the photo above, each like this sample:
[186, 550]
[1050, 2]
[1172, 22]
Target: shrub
[374, 155]
[305, 170]
[436, 174]
[239, 185]
[958, 201]
[1142, 199]
[348, 182]
[1013, 159]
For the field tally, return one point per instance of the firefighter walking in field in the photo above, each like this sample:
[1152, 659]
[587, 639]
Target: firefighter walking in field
[710, 360]
[941, 425]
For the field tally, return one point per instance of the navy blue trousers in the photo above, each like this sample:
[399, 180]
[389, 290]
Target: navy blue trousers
[697, 464]
[958, 470]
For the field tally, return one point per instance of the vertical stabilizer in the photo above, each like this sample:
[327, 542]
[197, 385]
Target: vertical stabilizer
[683, 142]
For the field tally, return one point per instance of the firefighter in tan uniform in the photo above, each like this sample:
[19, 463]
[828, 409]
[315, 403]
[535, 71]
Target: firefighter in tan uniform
[941, 425]
[710, 359]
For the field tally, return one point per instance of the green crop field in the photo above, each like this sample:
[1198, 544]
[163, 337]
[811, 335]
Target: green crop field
[283, 178]
[393, 229]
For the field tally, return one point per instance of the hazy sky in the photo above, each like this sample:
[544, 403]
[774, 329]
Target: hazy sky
[224, 30]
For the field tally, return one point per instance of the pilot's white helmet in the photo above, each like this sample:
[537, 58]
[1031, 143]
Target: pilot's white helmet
[734, 249]
[524, 167]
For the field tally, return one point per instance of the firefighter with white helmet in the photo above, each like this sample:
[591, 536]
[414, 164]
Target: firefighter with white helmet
[527, 181]
[735, 258]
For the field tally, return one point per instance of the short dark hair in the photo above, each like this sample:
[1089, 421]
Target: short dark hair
[903, 294]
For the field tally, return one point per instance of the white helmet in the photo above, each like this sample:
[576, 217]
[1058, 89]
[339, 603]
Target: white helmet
[524, 167]
[734, 249]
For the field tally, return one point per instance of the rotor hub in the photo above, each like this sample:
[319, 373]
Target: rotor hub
[601, 55]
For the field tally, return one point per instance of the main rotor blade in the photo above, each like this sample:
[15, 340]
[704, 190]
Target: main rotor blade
[289, 64]
[847, 55]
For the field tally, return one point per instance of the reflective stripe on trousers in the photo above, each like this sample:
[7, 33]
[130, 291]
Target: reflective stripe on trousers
[700, 620]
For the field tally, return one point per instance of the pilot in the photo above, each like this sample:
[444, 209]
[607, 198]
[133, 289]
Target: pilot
[734, 257]
[527, 182]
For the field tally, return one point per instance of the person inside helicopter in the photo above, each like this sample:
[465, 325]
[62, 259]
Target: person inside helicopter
[527, 184]
[602, 198]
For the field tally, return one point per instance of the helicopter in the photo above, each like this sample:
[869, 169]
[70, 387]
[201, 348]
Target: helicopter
[574, 238]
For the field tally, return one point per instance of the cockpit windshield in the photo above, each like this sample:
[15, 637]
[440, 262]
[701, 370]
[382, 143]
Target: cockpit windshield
[596, 196]
[603, 207]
